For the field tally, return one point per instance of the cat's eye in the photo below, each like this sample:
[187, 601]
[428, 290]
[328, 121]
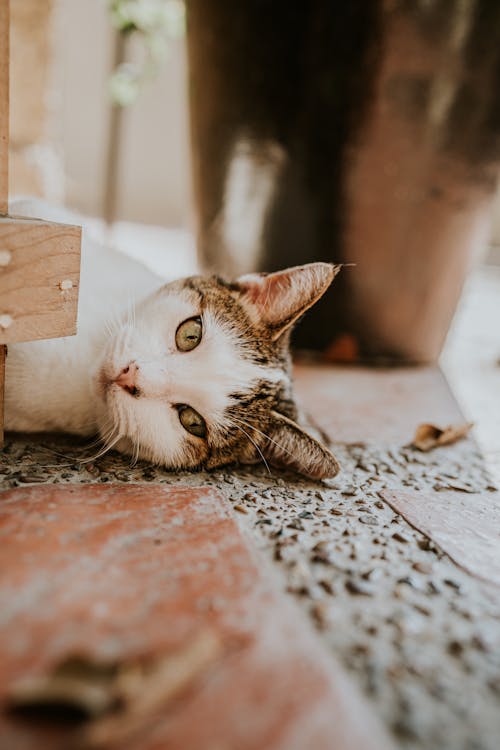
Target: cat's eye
[192, 421]
[188, 334]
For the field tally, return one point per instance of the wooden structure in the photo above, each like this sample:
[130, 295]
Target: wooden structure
[39, 260]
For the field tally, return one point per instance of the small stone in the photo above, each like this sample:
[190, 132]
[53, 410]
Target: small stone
[426, 545]
[241, 508]
[31, 479]
[295, 524]
[400, 537]
[93, 470]
[319, 612]
[368, 520]
[374, 574]
[422, 567]
[455, 648]
[323, 553]
[358, 588]
[249, 497]
[407, 580]
[122, 476]
[327, 586]
[336, 512]
[350, 490]
[422, 609]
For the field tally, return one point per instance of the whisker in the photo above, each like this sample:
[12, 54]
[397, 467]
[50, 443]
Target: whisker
[107, 447]
[255, 446]
[251, 426]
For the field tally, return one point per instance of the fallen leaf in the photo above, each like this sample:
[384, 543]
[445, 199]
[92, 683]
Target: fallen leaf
[114, 699]
[143, 691]
[77, 687]
[428, 436]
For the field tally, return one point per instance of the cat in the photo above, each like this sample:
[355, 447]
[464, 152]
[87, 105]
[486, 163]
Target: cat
[196, 375]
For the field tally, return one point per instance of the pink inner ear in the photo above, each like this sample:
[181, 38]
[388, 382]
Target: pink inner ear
[266, 292]
[282, 296]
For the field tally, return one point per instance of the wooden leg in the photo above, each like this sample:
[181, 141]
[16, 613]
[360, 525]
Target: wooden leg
[3, 354]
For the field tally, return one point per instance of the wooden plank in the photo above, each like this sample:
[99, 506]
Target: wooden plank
[4, 105]
[39, 279]
[3, 354]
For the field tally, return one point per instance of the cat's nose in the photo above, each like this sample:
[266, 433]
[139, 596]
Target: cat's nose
[127, 379]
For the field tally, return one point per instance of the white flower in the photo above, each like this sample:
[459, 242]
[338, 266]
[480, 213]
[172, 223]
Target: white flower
[124, 85]
[155, 21]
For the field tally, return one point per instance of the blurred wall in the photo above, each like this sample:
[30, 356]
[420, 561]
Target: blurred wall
[32, 152]
[60, 62]
[495, 240]
[154, 171]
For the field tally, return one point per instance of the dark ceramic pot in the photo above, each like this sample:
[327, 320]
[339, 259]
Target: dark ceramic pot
[364, 132]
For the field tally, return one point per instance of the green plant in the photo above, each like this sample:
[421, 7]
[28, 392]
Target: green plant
[155, 23]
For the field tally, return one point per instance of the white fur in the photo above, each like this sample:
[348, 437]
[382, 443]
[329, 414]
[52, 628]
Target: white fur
[57, 385]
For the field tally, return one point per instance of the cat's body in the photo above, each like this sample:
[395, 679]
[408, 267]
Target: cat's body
[195, 374]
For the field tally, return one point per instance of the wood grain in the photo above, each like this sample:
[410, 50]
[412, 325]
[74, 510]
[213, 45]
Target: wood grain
[3, 354]
[35, 258]
[4, 105]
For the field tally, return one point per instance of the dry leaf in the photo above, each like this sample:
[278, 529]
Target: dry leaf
[115, 699]
[428, 436]
[77, 687]
[144, 691]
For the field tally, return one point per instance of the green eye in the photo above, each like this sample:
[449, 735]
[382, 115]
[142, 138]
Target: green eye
[188, 334]
[192, 421]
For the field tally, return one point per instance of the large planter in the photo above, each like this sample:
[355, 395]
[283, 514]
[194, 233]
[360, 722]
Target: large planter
[364, 133]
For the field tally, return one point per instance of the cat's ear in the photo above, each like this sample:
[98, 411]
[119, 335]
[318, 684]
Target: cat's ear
[279, 299]
[290, 446]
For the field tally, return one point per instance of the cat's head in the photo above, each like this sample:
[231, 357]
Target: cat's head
[199, 375]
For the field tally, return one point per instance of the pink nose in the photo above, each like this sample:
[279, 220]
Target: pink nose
[127, 379]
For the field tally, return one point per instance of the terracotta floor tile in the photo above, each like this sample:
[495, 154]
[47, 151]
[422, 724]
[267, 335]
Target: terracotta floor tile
[380, 405]
[465, 525]
[139, 572]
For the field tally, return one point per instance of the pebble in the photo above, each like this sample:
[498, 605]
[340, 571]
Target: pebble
[350, 490]
[324, 556]
[400, 537]
[422, 567]
[326, 586]
[240, 508]
[356, 587]
[295, 524]
[368, 520]
[319, 613]
[32, 479]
